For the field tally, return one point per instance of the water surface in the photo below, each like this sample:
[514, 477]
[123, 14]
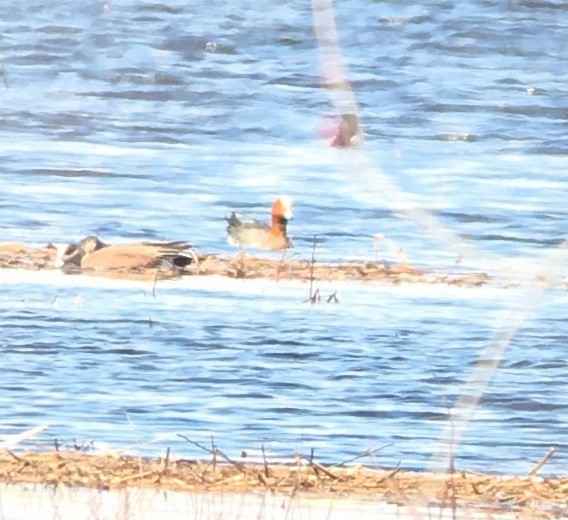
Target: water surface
[155, 120]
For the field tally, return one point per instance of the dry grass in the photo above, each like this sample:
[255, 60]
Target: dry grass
[395, 486]
[306, 270]
[20, 256]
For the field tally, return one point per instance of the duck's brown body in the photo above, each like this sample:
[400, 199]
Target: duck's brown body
[165, 259]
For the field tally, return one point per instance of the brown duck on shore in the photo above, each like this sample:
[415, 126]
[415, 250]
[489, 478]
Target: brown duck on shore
[163, 259]
[254, 233]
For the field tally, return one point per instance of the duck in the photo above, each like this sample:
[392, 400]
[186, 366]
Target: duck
[348, 133]
[163, 259]
[256, 234]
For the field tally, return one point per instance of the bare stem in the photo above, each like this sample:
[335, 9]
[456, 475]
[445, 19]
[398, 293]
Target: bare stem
[548, 455]
[312, 265]
[214, 451]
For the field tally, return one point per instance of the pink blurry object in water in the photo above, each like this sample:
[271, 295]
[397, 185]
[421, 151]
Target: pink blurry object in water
[342, 133]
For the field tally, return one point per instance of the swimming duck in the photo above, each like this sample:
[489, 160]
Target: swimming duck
[348, 133]
[257, 234]
[164, 258]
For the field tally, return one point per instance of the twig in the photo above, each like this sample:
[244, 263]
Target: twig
[316, 470]
[266, 470]
[11, 453]
[548, 455]
[314, 464]
[366, 453]
[391, 474]
[316, 298]
[312, 298]
[194, 443]
[332, 298]
[166, 461]
[215, 451]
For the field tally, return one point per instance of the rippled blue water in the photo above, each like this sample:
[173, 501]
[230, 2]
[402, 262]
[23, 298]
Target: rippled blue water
[155, 119]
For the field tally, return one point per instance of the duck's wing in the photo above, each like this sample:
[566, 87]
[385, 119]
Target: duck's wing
[176, 255]
[140, 256]
[176, 245]
[246, 233]
[235, 223]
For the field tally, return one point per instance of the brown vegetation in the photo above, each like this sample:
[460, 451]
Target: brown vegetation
[241, 265]
[395, 486]
[20, 256]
